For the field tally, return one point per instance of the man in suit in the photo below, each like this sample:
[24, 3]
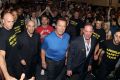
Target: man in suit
[80, 53]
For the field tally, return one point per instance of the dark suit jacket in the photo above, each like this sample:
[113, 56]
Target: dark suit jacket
[77, 60]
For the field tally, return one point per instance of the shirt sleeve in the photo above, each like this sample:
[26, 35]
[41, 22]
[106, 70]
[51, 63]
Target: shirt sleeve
[2, 43]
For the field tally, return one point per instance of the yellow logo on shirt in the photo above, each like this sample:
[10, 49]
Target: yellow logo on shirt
[112, 54]
[13, 40]
[17, 29]
[97, 36]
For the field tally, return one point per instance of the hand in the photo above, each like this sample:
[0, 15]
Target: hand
[69, 73]
[22, 76]
[48, 8]
[32, 78]
[95, 57]
[44, 65]
[89, 68]
[23, 62]
[65, 61]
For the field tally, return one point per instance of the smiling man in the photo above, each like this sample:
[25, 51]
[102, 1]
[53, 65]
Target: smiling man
[80, 53]
[54, 48]
[110, 57]
[6, 47]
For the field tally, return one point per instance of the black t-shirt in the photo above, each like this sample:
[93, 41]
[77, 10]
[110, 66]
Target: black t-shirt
[18, 27]
[100, 35]
[74, 27]
[8, 43]
[112, 53]
[4, 34]
[21, 21]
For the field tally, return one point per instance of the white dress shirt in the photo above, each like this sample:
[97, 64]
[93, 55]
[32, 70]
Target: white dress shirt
[87, 46]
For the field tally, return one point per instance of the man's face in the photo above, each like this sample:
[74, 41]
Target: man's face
[76, 14]
[8, 22]
[15, 15]
[98, 24]
[34, 15]
[117, 38]
[44, 21]
[60, 27]
[87, 31]
[30, 27]
[20, 11]
[63, 13]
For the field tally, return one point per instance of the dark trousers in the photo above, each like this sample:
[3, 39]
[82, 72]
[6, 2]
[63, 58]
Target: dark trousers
[104, 71]
[54, 69]
[18, 69]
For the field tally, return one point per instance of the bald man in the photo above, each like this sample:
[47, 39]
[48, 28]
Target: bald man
[7, 48]
[28, 49]
[80, 53]
[5, 34]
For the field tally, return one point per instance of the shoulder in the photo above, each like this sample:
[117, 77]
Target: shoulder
[67, 35]
[77, 40]
[93, 38]
[50, 27]
[49, 36]
[22, 35]
[39, 28]
[36, 35]
[4, 33]
[109, 41]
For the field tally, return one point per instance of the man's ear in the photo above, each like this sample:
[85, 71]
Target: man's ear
[55, 26]
[26, 26]
[3, 21]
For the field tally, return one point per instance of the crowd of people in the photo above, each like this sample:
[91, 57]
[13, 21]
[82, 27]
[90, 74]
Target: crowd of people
[59, 42]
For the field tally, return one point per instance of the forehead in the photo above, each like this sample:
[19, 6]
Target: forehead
[117, 33]
[33, 13]
[14, 12]
[8, 17]
[44, 17]
[98, 22]
[88, 28]
[30, 23]
[61, 22]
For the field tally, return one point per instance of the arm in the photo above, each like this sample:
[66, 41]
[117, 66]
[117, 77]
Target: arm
[108, 15]
[95, 56]
[4, 67]
[42, 13]
[70, 56]
[66, 58]
[3, 64]
[48, 8]
[43, 59]
[97, 52]
[43, 52]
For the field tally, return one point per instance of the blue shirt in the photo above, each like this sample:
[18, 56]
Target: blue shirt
[55, 47]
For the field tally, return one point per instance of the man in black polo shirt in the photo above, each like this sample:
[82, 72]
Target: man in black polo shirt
[28, 49]
[7, 44]
[111, 56]
[99, 32]
[21, 17]
[18, 27]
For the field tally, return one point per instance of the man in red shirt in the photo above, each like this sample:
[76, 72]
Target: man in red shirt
[45, 28]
